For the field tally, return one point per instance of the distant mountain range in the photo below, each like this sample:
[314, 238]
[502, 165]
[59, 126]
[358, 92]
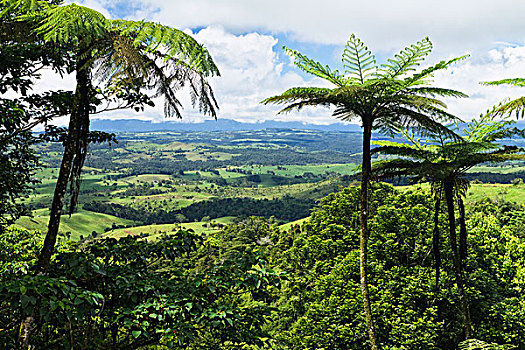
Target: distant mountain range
[136, 125]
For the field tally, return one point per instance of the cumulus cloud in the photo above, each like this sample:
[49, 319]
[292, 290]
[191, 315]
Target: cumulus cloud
[497, 64]
[454, 25]
[250, 72]
[242, 36]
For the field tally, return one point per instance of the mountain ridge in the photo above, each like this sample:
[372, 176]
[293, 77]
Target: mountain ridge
[137, 125]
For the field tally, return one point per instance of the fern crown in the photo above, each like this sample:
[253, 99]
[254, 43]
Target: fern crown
[389, 97]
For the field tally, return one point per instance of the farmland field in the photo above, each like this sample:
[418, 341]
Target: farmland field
[153, 182]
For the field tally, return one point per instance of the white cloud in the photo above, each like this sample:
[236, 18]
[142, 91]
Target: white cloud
[453, 25]
[497, 64]
[252, 70]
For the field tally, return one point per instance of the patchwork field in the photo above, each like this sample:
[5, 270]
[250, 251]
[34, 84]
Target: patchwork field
[155, 182]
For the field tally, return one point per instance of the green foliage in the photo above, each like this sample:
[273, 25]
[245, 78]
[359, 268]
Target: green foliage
[358, 61]
[323, 301]
[474, 344]
[131, 293]
[320, 303]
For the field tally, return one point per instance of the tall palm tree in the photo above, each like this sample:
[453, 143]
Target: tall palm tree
[444, 163]
[126, 58]
[387, 98]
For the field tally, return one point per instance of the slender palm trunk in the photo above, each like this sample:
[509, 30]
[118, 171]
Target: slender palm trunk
[462, 234]
[436, 240]
[449, 196]
[364, 234]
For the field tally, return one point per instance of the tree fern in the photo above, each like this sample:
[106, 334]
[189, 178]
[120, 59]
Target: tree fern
[444, 164]
[127, 57]
[386, 101]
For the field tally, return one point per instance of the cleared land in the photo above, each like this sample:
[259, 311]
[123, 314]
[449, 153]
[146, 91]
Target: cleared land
[172, 175]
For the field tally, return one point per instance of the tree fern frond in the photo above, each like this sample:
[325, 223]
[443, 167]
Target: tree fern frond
[358, 61]
[405, 150]
[297, 94]
[315, 68]
[173, 42]
[515, 107]
[486, 129]
[512, 81]
[419, 78]
[435, 92]
[406, 60]
[392, 168]
[300, 97]
[406, 118]
[73, 24]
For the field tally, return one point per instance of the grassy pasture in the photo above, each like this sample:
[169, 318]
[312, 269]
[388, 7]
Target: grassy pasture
[153, 231]
[299, 170]
[507, 192]
[502, 169]
[81, 223]
[288, 225]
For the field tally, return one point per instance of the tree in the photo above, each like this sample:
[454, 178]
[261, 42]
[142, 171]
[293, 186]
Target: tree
[127, 57]
[385, 98]
[444, 162]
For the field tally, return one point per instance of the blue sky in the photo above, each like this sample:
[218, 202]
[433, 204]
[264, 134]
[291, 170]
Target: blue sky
[245, 38]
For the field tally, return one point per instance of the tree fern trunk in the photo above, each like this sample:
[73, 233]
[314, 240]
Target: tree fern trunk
[79, 112]
[436, 241]
[364, 234]
[462, 234]
[449, 195]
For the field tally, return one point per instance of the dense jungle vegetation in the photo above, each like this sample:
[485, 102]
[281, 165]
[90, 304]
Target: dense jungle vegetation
[271, 239]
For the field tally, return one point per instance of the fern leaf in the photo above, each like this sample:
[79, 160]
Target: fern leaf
[175, 44]
[73, 24]
[315, 68]
[419, 78]
[515, 107]
[512, 81]
[358, 61]
[435, 92]
[300, 97]
[406, 60]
